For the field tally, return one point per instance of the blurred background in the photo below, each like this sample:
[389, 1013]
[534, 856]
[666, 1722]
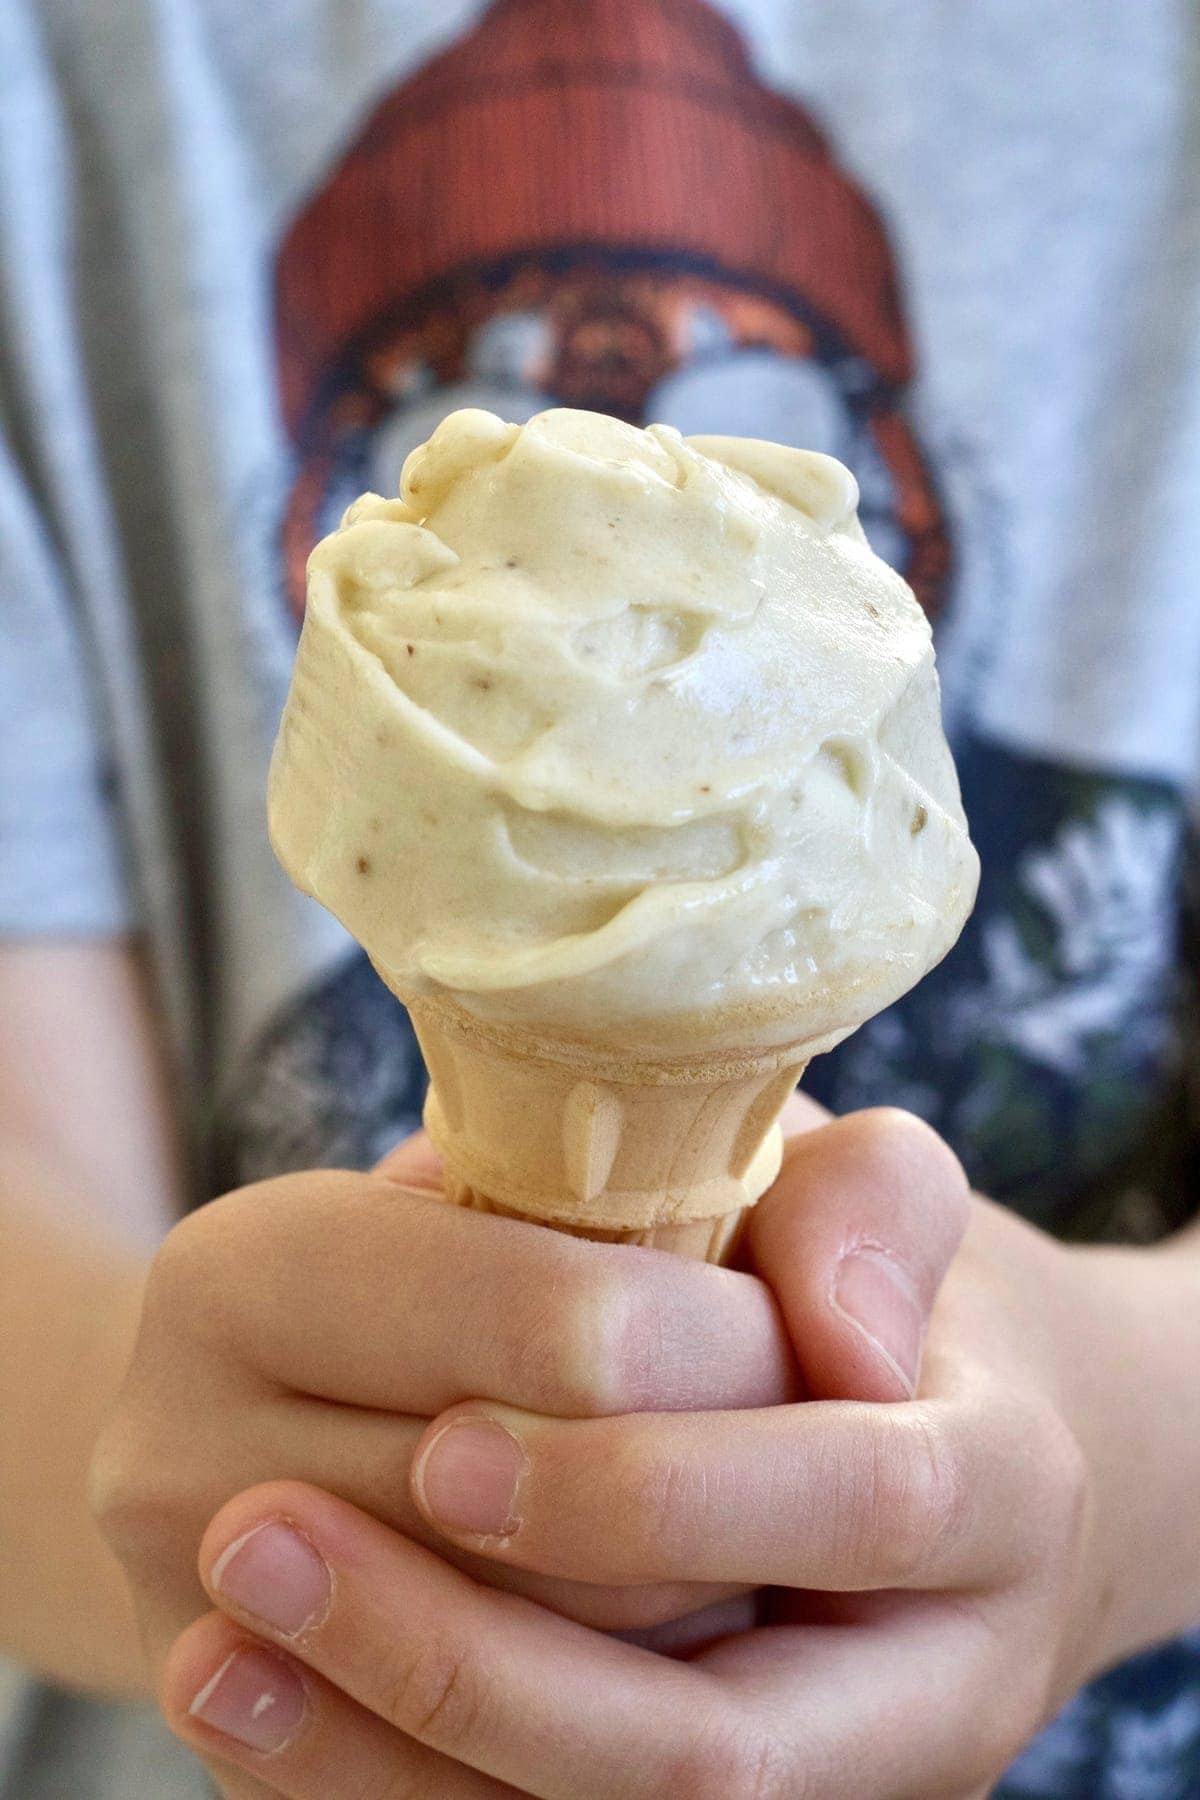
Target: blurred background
[250, 257]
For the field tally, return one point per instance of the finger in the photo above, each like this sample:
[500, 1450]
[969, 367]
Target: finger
[855, 1238]
[235, 1784]
[558, 1712]
[484, 1678]
[368, 1460]
[234, 1700]
[947, 1705]
[231, 1785]
[826, 1494]
[360, 1279]
[365, 1457]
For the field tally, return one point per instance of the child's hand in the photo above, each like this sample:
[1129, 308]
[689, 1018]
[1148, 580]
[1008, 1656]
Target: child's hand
[946, 1570]
[310, 1327]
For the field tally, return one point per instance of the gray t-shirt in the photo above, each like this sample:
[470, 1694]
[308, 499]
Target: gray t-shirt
[248, 256]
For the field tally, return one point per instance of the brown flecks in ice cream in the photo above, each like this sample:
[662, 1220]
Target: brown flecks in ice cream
[363, 865]
[565, 901]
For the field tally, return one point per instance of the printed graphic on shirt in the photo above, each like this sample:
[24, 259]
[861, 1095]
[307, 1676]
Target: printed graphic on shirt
[598, 206]
[336, 1081]
[1132, 1735]
[605, 206]
[1048, 1047]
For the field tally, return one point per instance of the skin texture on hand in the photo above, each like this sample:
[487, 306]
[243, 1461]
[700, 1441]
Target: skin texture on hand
[312, 1326]
[987, 1538]
[330, 1370]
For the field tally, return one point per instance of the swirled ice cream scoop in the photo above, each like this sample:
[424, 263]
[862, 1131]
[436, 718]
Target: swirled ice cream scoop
[624, 737]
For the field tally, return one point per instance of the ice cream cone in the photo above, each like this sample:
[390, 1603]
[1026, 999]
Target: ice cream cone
[670, 1153]
[620, 754]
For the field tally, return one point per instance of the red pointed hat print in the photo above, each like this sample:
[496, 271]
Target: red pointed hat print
[614, 168]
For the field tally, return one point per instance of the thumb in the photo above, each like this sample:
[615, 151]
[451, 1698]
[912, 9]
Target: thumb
[855, 1238]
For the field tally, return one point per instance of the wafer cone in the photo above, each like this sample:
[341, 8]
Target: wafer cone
[670, 1152]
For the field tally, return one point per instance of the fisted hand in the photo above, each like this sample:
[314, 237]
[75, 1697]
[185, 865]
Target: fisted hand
[312, 1326]
[635, 1456]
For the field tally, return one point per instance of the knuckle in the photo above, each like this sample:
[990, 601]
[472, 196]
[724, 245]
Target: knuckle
[197, 1284]
[138, 1504]
[152, 1465]
[909, 1147]
[759, 1771]
[112, 1490]
[655, 1497]
[197, 1235]
[1063, 1476]
[155, 1478]
[170, 1272]
[399, 1781]
[183, 1287]
[534, 1358]
[1048, 1474]
[939, 1495]
[913, 1504]
[732, 1761]
[436, 1695]
[567, 1349]
[239, 1228]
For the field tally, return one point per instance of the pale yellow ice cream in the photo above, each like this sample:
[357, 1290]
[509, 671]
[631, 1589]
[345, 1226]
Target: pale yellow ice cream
[624, 737]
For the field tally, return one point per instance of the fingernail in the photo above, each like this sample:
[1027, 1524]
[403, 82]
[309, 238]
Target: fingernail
[254, 1698]
[878, 1297]
[467, 1479]
[274, 1574]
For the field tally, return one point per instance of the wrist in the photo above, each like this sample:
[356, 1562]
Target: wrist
[1132, 1383]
